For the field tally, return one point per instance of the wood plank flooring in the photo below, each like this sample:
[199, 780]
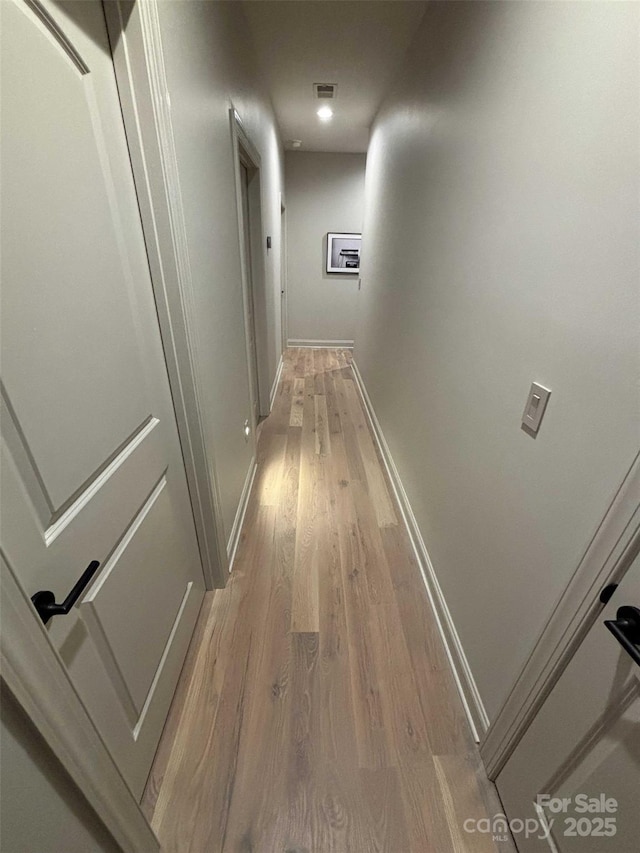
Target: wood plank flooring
[316, 711]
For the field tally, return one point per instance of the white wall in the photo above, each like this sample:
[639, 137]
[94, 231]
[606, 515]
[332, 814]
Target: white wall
[324, 192]
[501, 247]
[210, 67]
[41, 809]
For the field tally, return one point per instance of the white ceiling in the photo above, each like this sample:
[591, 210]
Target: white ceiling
[357, 45]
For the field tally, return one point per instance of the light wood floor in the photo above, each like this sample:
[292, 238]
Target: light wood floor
[316, 711]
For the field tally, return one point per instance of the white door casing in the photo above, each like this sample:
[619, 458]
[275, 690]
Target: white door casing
[245, 238]
[138, 57]
[91, 463]
[252, 263]
[283, 274]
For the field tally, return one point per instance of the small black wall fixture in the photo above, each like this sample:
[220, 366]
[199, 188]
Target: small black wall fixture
[45, 601]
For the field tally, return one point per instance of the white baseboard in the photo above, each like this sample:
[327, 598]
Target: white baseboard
[234, 539]
[463, 677]
[300, 342]
[274, 387]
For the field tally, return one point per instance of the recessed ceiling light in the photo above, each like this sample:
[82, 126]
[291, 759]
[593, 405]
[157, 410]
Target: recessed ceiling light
[325, 113]
[296, 143]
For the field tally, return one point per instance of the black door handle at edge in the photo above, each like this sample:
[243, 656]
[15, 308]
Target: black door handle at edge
[45, 601]
[626, 629]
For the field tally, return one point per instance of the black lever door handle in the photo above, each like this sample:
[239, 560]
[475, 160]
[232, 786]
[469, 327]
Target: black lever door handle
[626, 629]
[45, 601]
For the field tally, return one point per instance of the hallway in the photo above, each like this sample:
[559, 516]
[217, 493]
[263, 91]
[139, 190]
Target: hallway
[308, 541]
[316, 710]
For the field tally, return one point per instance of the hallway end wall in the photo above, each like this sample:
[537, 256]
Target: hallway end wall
[210, 68]
[501, 248]
[324, 193]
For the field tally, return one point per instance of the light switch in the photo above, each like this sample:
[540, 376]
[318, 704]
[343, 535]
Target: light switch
[534, 409]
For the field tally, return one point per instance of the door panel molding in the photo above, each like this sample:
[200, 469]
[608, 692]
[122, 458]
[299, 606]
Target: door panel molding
[113, 577]
[71, 508]
[59, 36]
[136, 45]
[611, 551]
[36, 676]
[169, 646]
[108, 660]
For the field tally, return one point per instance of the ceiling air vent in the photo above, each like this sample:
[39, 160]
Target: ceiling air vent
[325, 91]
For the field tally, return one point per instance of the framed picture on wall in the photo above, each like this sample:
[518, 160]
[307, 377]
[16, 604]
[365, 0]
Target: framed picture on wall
[343, 253]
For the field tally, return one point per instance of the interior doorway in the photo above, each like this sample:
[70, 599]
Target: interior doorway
[245, 178]
[248, 189]
[283, 274]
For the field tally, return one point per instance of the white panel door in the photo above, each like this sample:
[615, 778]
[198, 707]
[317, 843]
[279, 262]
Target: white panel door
[577, 769]
[91, 464]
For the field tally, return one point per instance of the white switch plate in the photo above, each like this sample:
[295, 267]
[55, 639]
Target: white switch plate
[536, 404]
